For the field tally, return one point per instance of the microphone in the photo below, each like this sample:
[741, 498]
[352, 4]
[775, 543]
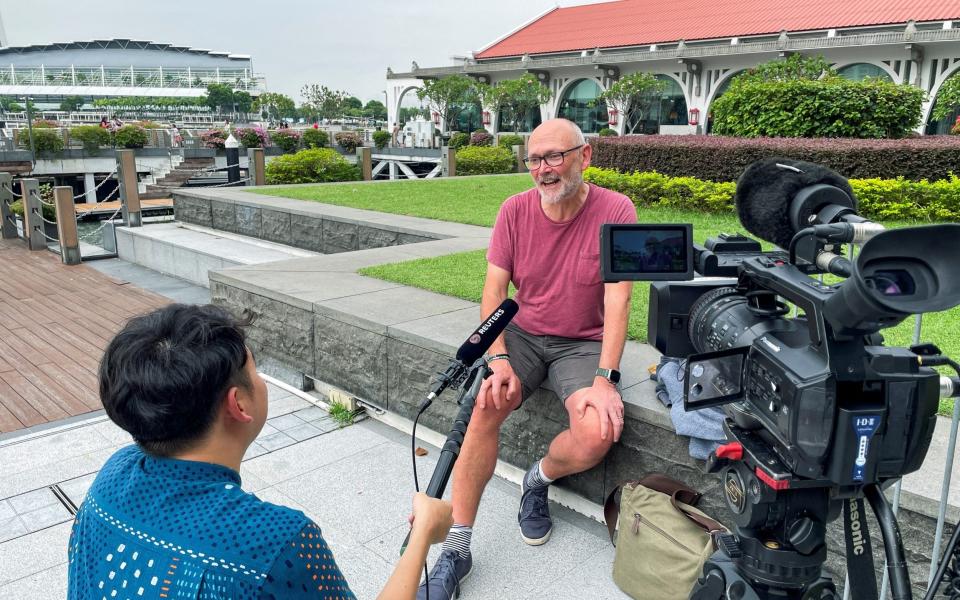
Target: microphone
[777, 197]
[488, 331]
[472, 349]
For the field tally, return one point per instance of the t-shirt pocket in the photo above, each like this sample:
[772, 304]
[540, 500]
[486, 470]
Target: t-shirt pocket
[588, 268]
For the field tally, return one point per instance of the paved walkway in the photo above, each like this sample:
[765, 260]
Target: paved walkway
[356, 483]
[55, 322]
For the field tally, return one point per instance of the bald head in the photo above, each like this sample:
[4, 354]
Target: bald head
[563, 131]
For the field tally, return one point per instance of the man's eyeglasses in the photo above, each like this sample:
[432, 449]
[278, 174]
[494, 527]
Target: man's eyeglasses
[553, 159]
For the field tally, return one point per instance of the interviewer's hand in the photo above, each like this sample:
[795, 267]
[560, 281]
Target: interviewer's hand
[501, 388]
[432, 516]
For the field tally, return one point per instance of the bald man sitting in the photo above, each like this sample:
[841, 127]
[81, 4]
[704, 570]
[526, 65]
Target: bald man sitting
[568, 336]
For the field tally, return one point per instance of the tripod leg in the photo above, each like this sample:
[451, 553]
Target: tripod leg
[710, 585]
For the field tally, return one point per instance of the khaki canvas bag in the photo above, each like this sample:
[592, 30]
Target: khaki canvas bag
[662, 541]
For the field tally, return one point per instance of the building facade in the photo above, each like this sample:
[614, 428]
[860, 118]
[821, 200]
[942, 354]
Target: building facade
[48, 73]
[579, 51]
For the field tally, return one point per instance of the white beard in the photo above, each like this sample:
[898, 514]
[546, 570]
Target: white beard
[567, 187]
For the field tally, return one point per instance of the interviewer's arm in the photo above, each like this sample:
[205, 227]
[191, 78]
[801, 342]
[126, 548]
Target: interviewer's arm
[432, 519]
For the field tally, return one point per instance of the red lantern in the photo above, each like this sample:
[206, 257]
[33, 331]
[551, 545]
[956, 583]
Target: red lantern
[436, 118]
[694, 116]
[612, 114]
[486, 117]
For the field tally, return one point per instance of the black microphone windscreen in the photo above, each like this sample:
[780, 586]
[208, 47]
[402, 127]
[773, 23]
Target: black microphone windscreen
[491, 328]
[766, 189]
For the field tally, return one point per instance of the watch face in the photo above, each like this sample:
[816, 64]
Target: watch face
[614, 376]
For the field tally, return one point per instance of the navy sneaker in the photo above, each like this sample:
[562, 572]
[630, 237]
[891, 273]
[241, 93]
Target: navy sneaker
[446, 576]
[534, 516]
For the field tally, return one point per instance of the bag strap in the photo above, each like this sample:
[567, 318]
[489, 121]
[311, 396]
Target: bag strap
[611, 510]
[706, 523]
[671, 487]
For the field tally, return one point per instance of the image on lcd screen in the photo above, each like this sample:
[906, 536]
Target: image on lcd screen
[650, 251]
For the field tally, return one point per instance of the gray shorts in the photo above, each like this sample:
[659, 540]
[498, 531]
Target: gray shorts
[563, 365]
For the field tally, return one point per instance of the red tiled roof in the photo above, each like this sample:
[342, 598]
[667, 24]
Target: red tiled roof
[641, 22]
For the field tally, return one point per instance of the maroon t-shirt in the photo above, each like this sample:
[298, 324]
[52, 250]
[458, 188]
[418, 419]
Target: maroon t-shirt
[555, 266]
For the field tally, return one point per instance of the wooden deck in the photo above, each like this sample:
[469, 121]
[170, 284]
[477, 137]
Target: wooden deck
[111, 207]
[55, 322]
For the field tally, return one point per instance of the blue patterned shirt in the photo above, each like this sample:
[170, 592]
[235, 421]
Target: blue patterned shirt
[157, 528]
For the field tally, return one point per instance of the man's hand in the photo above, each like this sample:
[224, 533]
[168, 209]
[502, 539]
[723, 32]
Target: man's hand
[432, 516]
[502, 387]
[604, 397]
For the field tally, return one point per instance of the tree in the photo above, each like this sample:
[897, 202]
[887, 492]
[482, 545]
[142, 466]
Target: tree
[795, 67]
[273, 105]
[9, 104]
[375, 110]
[71, 103]
[632, 96]
[449, 96]
[220, 97]
[242, 101]
[407, 113]
[353, 102]
[516, 97]
[323, 102]
[948, 98]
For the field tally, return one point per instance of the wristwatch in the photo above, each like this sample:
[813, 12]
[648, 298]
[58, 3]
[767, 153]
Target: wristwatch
[611, 375]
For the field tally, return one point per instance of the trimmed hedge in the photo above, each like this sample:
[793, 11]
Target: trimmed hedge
[130, 136]
[509, 140]
[316, 165]
[459, 140]
[879, 199]
[287, 140]
[91, 136]
[315, 138]
[718, 158]
[484, 160]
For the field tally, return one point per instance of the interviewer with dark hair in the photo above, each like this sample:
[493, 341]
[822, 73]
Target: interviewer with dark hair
[166, 518]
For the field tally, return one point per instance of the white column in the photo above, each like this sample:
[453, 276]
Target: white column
[89, 183]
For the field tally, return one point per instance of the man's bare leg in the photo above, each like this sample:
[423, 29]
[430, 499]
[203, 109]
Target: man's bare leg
[576, 449]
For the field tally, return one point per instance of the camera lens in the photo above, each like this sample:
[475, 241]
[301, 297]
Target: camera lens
[895, 282]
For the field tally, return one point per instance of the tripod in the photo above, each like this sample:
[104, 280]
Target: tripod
[779, 547]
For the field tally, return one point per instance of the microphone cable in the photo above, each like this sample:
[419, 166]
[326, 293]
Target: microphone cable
[416, 480]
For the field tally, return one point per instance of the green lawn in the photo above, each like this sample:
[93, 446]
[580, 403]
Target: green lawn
[475, 200]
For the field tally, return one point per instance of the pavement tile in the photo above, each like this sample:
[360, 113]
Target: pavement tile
[285, 422]
[276, 441]
[34, 553]
[11, 527]
[304, 432]
[50, 584]
[45, 450]
[267, 430]
[254, 451]
[42, 518]
[76, 489]
[286, 405]
[311, 414]
[41, 498]
[366, 572]
[54, 472]
[596, 572]
[6, 511]
[309, 455]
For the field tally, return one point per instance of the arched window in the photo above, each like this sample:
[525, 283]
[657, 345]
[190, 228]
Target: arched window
[668, 107]
[410, 107]
[581, 104]
[861, 71]
[530, 121]
[469, 120]
[944, 125]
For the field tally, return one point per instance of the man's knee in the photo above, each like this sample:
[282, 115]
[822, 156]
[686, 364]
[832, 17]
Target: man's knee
[587, 433]
[490, 418]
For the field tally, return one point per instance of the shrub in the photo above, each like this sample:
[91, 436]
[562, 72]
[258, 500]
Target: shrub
[213, 138]
[148, 124]
[251, 137]
[607, 132]
[879, 199]
[348, 140]
[130, 136]
[481, 138]
[510, 140]
[955, 130]
[459, 140]
[316, 165]
[381, 138]
[315, 138]
[724, 158]
[45, 124]
[287, 140]
[91, 136]
[45, 141]
[829, 107]
[47, 208]
[482, 160]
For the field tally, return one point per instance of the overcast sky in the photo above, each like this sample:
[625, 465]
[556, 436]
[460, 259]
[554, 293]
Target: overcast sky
[343, 44]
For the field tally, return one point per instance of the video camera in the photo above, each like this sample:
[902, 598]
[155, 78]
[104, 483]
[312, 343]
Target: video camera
[818, 409]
